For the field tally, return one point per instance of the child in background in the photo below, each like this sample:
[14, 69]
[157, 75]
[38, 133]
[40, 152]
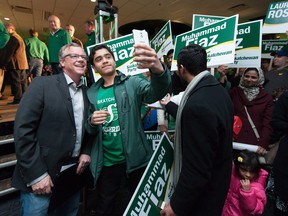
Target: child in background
[246, 194]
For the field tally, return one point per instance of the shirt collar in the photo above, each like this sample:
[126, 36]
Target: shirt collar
[52, 33]
[71, 82]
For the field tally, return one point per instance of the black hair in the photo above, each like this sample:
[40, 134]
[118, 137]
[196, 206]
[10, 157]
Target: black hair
[194, 58]
[170, 52]
[249, 160]
[32, 32]
[98, 47]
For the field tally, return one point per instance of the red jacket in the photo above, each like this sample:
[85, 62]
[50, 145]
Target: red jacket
[246, 203]
[260, 110]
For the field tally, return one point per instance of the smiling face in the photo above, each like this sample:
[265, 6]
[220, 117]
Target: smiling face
[104, 63]
[251, 78]
[73, 63]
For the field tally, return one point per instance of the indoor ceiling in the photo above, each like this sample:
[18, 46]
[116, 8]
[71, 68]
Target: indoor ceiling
[26, 14]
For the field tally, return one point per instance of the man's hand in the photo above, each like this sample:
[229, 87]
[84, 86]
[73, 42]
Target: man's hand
[147, 58]
[43, 187]
[99, 117]
[84, 162]
[165, 100]
[222, 69]
[167, 211]
[261, 151]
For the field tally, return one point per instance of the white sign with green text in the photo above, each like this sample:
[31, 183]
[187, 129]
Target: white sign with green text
[248, 45]
[276, 20]
[219, 40]
[204, 20]
[162, 42]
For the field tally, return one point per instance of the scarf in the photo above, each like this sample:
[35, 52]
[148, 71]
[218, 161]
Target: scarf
[252, 91]
[178, 141]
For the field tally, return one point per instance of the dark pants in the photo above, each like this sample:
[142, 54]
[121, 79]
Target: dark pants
[108, 186]
[35, 67]
[18, 84]
[277, 212]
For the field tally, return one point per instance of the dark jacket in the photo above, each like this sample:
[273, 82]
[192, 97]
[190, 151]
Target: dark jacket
[44, 130]
[260, 110]
[206, 129]
[280, 125]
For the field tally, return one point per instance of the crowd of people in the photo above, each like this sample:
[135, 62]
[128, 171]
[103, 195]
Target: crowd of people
[96, 134]
[24, 59]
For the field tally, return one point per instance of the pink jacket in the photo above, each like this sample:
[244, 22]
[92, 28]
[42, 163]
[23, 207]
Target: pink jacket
[245, 203]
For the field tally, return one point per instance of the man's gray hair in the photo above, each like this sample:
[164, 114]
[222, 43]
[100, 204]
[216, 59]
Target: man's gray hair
[65, 47]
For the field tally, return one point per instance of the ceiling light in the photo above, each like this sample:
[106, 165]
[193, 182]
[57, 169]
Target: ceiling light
[6, 18]
[93, 0]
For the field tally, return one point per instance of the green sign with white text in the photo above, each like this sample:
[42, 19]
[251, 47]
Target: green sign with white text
[276, 20]
[219, 40]
[162, 42]
[154, 137]
[269, 46]
[122, 48]
[248, 45]
[156, 184]
[204, 20]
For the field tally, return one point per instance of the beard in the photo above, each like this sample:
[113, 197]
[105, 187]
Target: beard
[182, 80]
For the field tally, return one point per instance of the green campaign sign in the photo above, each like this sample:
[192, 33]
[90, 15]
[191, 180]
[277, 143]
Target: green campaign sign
[154, 137]
[248, 45]
[269, 46]
[162, 42]
[276, 20]
[219, 40]
[204, 20]
[156, 184]
[122, 48]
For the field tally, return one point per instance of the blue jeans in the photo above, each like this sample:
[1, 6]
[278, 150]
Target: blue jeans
[37, 205]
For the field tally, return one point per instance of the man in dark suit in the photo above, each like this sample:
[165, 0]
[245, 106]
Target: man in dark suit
[49, 134]
[203, 140]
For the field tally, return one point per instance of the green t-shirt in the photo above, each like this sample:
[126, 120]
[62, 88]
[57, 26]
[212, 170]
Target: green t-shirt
[112, 143]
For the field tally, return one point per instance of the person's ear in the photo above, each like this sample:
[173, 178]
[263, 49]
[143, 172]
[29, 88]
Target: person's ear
[181, 69]
[62, 63]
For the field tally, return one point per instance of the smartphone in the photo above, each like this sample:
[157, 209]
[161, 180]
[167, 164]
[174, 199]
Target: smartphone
[140, 36]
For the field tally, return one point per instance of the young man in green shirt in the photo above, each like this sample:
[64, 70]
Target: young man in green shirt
[120, 149]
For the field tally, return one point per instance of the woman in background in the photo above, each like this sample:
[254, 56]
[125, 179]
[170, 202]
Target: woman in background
[250, 99]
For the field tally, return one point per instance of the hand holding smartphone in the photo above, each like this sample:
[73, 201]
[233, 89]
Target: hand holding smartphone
[140, 36]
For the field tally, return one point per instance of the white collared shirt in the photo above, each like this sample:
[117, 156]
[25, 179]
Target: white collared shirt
[78, 110]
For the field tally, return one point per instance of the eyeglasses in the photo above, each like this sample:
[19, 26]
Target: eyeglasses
[76, 56]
